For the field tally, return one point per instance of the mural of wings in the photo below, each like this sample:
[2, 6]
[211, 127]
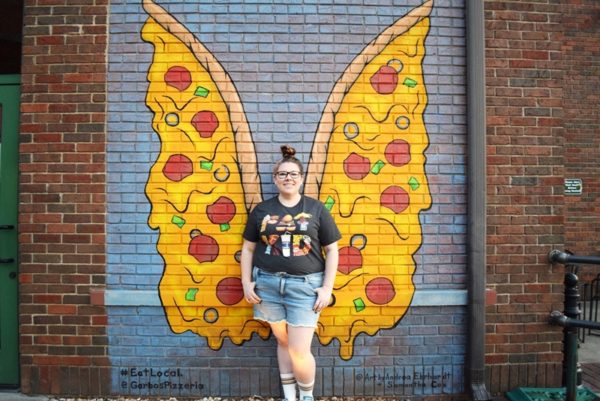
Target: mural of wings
[367, 166]
[202, 185]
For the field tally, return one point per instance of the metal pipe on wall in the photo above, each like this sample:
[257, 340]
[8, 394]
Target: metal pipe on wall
[476, 236]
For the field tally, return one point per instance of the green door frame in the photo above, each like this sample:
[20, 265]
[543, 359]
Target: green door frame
[9, 158]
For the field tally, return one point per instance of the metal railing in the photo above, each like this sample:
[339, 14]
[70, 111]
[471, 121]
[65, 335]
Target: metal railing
[569, 319]
[590, 306]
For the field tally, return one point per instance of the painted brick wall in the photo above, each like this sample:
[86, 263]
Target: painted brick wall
[284, 59]
[63, 341]
[525, 156]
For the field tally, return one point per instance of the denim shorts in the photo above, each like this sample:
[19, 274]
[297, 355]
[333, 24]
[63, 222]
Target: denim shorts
[287, 297]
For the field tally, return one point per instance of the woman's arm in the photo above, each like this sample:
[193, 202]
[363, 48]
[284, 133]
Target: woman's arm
[331, 265]
[248, 248]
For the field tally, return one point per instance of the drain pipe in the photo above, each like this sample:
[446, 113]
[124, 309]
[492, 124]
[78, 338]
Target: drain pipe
[476, 236]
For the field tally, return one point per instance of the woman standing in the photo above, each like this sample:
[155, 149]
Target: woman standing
[285, 274]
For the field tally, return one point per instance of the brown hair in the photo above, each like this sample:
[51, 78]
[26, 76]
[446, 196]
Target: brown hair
[288, 153]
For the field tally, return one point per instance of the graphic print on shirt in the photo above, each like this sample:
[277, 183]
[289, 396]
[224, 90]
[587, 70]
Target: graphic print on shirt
[283, 235]
[367, 166]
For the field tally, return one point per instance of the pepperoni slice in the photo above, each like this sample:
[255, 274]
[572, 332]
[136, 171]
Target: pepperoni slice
[221, 211]
[380, 291]
[178, 167]
[350, 259]
[178, 77]
[206, 123]
[356, 166]
[397, 152]
[230, 291]
[395, 199]
[385, 80]
[203, 248]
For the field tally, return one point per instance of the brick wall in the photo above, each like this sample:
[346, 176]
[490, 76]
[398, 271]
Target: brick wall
[525, 156]
[542, 123]
[581, 121]
[62, 197]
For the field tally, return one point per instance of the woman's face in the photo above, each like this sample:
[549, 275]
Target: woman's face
[283, 177]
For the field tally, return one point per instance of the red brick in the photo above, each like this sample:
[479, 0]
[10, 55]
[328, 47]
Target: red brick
[47, 339]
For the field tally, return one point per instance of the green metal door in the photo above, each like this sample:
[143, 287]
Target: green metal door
[9, 151]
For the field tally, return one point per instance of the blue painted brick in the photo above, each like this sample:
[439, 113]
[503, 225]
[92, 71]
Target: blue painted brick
[408, 360]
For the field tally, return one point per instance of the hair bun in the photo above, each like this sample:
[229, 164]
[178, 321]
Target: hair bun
[287, 151]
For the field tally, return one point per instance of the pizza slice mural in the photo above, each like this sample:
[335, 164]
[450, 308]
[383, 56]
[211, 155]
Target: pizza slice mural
[367, 166]
[201, 186]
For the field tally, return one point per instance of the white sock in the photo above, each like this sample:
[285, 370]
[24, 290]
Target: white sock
[306, 389]
[288, 382]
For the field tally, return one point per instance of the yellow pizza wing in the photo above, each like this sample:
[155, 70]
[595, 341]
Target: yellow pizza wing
[202, 185]
[367, 166]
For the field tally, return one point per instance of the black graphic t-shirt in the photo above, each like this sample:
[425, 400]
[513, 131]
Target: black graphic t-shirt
[290, 239]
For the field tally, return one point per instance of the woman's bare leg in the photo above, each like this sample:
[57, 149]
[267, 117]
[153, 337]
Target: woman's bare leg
[288, 380]
[303, 361]
[294, 354]
[279, 329]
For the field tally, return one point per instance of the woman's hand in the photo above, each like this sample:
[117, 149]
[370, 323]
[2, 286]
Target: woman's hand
[249, 293]
[248, 285]
[323, 298]
[331, 265]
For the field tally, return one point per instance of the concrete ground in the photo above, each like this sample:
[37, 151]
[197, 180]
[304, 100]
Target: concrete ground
[589, 351]
[8, 395]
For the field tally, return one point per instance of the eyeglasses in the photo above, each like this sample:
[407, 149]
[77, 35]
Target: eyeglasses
[282, 175]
